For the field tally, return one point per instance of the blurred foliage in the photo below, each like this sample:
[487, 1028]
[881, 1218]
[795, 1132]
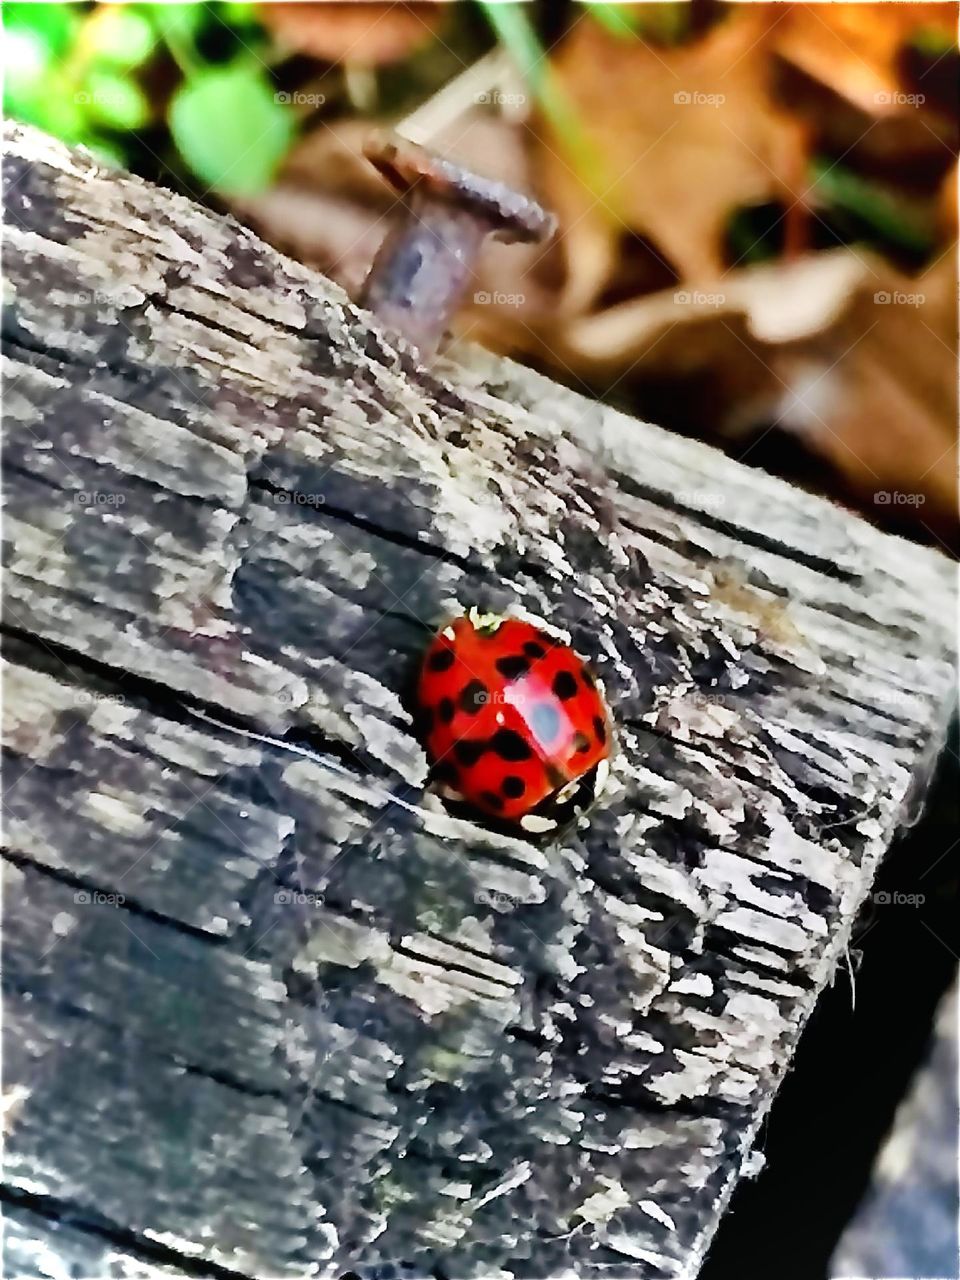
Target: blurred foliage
[126, 79]
[739, 187]
[201, 92]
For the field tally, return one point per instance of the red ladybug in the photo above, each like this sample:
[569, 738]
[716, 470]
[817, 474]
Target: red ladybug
[510, 716]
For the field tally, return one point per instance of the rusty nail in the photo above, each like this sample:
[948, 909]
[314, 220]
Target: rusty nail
[426, 259]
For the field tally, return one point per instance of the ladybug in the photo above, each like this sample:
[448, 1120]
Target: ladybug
[512, 720]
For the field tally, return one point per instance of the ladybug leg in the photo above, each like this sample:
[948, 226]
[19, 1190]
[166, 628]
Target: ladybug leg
[568, 792]
[537, 823]
[446, 792]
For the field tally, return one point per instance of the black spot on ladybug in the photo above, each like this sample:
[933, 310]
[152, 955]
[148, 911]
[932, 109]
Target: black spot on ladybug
[445, 710]
[581, 742]
[508, 744]
[544, 720]
[600, 729]
[491, 799]
[513, 787]
[564, 686]
[473, 697]
[469, 750]
[441, 660]
[534, 650]
[446, 771]
[513, 667]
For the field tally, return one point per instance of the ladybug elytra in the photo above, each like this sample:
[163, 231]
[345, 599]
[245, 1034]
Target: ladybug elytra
[512, 719]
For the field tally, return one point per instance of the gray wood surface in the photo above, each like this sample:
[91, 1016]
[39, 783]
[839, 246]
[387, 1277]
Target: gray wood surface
[270, 1009]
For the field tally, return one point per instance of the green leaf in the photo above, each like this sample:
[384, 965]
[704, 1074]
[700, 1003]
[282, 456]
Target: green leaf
[26, 57]
[122, 37]
[230, 128]
[180, 20]
[237, 13]
[54, 25]
[50, 108]
[114, 100]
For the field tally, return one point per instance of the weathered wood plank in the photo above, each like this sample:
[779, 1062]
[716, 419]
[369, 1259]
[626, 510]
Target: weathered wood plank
[35, 1247]
[398, 1035]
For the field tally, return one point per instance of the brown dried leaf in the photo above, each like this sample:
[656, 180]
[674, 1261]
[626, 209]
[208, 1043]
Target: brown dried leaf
[855, 48]
[884, 411]
[683, 135]
[367, 34]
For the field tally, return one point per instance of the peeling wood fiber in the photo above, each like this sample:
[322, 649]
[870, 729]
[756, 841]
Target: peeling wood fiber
[270, 1010]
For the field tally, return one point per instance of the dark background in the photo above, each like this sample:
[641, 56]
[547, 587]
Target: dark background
[854, 1062]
